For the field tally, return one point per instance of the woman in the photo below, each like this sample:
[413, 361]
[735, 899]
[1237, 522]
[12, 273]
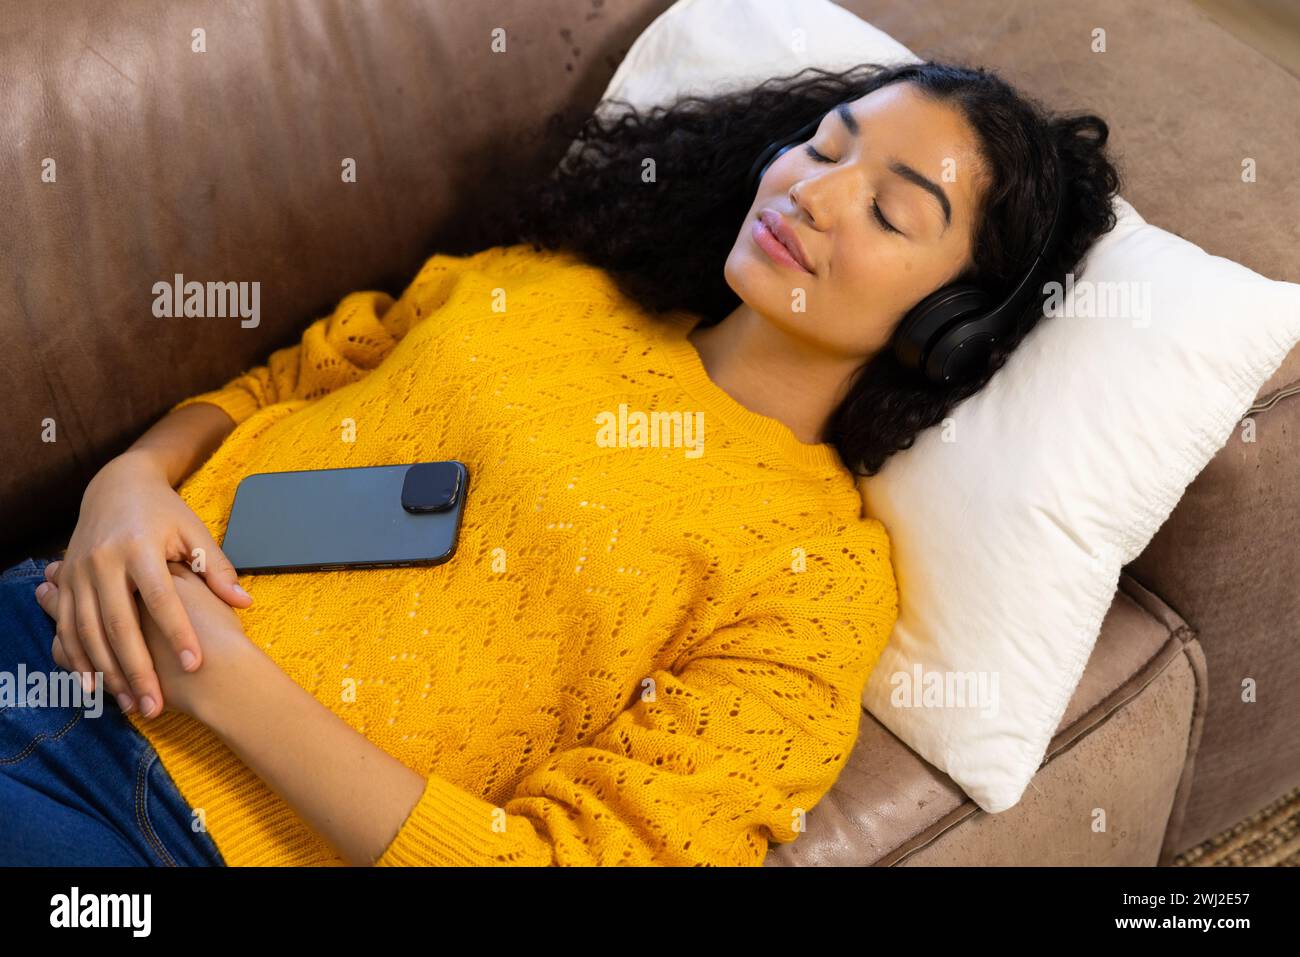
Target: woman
[643, 652]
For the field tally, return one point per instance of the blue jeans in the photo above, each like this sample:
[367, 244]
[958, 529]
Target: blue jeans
[79, 785]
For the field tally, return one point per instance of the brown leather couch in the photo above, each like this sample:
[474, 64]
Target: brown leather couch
[225, 165]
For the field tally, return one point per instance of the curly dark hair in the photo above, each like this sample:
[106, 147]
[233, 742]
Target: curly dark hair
[596, 204]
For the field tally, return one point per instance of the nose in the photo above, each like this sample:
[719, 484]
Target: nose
[821, 190]
[799, 200]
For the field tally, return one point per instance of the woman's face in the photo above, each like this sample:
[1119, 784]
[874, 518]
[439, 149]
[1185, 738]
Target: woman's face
[893, 159]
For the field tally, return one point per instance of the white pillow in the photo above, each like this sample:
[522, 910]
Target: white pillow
[708, 46]
[1009, 524]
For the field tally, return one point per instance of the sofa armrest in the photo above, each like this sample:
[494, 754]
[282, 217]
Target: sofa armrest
[1228, 559]
[890, 806]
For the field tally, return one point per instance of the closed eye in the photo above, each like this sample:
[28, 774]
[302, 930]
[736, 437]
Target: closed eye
[875, 208]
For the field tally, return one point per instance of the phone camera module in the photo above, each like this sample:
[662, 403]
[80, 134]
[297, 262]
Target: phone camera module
[431, 487]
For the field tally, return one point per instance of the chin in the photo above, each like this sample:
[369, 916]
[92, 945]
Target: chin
[755, 278]
[767, 286]
[741, 274]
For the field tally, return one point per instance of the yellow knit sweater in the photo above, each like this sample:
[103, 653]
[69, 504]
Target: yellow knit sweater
[641, 653]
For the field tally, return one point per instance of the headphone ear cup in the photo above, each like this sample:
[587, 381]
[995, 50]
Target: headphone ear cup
[941, 336]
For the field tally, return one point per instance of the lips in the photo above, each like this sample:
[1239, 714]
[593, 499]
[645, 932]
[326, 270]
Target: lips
[775, 222]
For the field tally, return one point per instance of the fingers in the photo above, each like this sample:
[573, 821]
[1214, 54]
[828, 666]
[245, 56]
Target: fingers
[122, 625]
[153, 579]
[90, 631]
[183, 570]
[60, 659]
[47, 596]
[64, 615]
[218, 569]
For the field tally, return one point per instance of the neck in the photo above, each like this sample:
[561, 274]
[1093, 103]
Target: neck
[774, 373]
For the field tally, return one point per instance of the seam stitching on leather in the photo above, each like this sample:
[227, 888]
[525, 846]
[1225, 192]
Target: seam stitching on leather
[1285, 392]
[1193, 740]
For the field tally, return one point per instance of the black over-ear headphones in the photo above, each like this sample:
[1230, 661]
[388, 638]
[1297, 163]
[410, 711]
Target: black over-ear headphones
[948, 335]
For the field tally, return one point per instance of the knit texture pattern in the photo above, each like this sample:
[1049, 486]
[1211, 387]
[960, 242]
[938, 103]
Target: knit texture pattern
[639, 654]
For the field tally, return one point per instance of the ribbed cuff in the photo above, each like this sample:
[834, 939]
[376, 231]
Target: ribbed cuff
[237, 403]
[450, 827]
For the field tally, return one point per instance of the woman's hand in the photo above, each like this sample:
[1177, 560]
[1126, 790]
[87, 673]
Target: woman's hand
[132, 523]
[222, 634]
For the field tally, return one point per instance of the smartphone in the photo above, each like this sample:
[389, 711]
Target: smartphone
[381, 516]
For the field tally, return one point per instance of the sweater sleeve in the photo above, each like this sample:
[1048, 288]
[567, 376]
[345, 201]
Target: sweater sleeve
[343, 347]
[717, 756]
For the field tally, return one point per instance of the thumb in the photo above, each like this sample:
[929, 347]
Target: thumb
[218, 571]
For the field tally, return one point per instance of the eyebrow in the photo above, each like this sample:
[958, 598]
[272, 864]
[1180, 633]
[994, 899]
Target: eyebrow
[902, 169]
